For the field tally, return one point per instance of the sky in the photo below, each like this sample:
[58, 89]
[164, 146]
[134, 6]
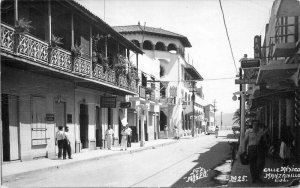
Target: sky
[202, 23]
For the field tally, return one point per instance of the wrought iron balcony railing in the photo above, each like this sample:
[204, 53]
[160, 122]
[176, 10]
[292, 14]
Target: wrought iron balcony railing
[31, 48]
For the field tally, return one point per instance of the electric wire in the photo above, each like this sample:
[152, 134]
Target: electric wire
[227, 34]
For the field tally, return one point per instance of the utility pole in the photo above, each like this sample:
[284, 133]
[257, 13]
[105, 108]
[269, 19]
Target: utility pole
[193, 100]
[221, 121]
[215, 112]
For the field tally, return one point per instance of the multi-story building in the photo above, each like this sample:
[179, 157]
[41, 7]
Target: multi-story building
[60, 66]
[209, 117]
[276, 100]
[175, 74]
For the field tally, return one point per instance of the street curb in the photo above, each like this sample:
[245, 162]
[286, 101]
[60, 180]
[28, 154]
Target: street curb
[16, 176]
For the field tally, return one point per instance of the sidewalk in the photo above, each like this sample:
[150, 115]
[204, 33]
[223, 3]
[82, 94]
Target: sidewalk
[272, 170]
[13, 169]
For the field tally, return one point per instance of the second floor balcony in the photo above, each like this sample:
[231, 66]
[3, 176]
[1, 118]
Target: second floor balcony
[65, 37]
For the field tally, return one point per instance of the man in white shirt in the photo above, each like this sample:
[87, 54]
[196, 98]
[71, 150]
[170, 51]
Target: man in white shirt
[59, 140]
[129, 135]
[67, 144]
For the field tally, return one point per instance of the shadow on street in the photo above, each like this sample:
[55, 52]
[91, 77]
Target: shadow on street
[203, 174]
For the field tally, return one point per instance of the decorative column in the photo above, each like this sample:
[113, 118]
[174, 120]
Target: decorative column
[49, 22]
[91, 50]
[297, 123]
[72, 30]
[16, 12]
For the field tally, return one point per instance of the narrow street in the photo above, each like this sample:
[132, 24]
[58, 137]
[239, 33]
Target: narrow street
[169, 166]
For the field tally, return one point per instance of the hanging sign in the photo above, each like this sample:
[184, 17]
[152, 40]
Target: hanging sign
[108, 102]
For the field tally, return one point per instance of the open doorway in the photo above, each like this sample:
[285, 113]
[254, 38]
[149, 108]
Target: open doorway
[10, 125]
[84, 122]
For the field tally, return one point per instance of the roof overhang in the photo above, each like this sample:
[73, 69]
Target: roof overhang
[193, 72]
[277, 75]
[104, 26]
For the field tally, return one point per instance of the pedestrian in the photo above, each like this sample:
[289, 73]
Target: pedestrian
[217, 131]
[109, 135]
[256, 154]
[129, 135]
[59, 141]
[286, 145]
[124, 139]
[176, 132]
[166, 131]
[67, 144]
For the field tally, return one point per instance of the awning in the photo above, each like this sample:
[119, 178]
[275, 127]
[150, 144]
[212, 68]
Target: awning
[277, 75]
[193, 72]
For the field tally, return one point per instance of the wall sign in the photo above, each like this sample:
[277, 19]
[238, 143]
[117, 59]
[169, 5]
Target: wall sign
[108, 102]
[49, 117]
[125, 105]
[142, 92]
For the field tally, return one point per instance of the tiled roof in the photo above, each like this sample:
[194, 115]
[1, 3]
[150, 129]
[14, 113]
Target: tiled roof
[152, 30]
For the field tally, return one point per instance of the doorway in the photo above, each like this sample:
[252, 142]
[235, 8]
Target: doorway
[10, 125]
[84, 122]
[98, 128]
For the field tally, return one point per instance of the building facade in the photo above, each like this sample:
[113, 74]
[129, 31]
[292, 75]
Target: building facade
[274, 97]
[176, 76]
[60, 66]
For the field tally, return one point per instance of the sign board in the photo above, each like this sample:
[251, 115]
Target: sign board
[142, 92]
[49, 117]
[125, 105]
[173, 91]
[108, 102]
[245, 81]
[257, 46]
[250, 63]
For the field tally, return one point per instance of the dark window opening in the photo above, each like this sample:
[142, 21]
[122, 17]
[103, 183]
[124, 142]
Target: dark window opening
[160, 46]
[147, 45]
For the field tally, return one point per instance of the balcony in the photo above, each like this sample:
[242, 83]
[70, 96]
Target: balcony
[27, 47]
[286, 36]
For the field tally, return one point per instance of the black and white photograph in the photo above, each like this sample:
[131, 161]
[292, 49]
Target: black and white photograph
[150, 93]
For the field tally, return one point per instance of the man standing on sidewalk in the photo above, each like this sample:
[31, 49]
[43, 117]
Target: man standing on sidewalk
[67, 144]
[60, 140]
[129, 135]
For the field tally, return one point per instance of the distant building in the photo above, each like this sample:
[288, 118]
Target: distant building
[176, 75]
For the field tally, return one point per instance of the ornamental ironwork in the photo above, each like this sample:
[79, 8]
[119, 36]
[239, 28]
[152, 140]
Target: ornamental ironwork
[123, 81]
[82, 66]
[98, 72]
[110, 76]
[32, 48]
[61, 59]
[7, 38]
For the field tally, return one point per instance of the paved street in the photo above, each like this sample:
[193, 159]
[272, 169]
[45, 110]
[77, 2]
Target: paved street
[165, 166]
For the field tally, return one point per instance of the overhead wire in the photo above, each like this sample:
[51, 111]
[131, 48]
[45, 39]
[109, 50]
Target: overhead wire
[227, 34]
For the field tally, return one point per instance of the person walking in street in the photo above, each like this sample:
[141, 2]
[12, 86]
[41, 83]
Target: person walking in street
[166, 131]
[129, 135]
[124, 139]
[109, 135]
[253, 144]
[59, 141]
[176, 132]
[217, 131]
[67, 144]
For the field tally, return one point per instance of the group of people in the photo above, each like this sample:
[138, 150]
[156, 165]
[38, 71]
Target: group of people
[63, 143]
[126, 134]
[256, 146]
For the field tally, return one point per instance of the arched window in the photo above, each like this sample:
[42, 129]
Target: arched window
[147, 45]
[136, 42]
[160, 46]
[172, 47]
